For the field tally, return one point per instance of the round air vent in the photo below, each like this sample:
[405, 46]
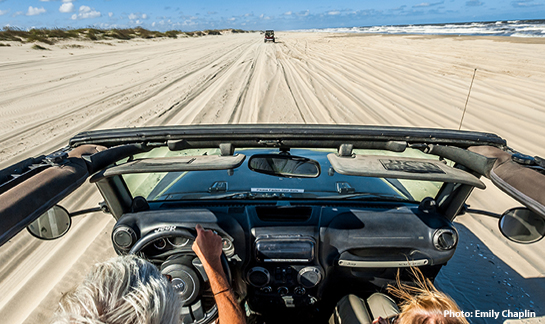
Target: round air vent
[258, 277]
[124, 237]
[445, 239]
[309, 277]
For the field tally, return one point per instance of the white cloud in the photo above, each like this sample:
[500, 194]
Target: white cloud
[33, 11]
[86, 12]
[137, 16]
[110, 14]
[288, 13]
[400, 8]
[67, 7]
[525, 4]
[3, 12]
[303, 13]
[334, 13]
[187, 23]
[232, 19]
[91, 14]
[67, 1]
[427, 4]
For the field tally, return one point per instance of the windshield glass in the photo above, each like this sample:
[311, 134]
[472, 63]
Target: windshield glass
[243, 183]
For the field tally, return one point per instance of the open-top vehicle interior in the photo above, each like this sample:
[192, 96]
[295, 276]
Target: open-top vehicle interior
[307, 214]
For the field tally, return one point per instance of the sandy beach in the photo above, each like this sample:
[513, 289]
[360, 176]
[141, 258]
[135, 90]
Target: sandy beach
[47, 96]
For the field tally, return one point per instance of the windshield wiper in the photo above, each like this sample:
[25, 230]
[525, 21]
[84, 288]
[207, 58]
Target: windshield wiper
[248, 195]
[237, 195]
[367, 196]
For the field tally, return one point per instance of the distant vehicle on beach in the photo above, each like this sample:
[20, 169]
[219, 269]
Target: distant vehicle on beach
[269, 36]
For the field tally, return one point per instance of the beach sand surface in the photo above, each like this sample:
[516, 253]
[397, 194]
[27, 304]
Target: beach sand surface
[47, 96]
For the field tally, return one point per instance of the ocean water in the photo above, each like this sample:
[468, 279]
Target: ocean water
[512, 28]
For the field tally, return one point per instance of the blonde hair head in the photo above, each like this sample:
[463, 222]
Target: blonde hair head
[123, 290]
[424, 304]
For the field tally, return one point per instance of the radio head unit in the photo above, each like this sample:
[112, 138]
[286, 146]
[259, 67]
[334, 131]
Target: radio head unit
[284, 248]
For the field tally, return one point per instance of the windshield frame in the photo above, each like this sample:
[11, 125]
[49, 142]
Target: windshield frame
[399, 192]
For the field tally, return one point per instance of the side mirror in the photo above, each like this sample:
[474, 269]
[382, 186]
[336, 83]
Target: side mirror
[52, 224]
[522, 225]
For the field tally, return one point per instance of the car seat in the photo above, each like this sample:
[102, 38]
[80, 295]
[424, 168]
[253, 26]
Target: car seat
[354, 310]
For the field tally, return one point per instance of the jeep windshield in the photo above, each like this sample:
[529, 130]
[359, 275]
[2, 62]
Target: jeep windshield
[243, 183]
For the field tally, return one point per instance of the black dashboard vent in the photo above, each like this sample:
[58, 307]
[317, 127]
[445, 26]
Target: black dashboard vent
[222, 204]
[366, 205]
[283, 213]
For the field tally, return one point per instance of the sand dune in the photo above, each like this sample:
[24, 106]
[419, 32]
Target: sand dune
[48, 96]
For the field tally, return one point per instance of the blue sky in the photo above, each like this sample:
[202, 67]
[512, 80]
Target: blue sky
[257, 15]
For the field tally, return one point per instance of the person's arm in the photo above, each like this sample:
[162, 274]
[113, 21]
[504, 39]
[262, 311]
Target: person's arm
[208, 248]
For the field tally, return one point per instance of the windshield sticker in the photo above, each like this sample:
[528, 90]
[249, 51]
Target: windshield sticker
[410, 166]
[282, 190]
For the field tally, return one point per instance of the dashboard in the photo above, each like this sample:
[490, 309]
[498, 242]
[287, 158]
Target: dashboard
[295, 255]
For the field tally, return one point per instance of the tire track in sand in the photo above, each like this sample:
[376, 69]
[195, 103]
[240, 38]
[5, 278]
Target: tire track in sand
[111, 109]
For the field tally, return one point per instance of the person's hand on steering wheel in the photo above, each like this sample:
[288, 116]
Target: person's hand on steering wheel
[208, 247]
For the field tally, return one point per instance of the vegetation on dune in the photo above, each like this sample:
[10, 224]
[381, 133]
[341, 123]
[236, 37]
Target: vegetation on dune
[38, 47]
[72, 46]
[51, 36]
[212, 32]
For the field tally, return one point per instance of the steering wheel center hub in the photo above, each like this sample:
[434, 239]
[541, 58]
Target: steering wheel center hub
[179, 285]
[185, 281]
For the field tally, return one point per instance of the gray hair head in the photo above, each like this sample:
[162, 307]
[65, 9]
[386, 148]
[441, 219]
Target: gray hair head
[123, 290]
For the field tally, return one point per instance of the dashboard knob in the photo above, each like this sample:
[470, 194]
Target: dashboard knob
[258, 276]
[299, 290]
[283, 290]
[267, 289]
[309, 277]
[227, 247]
[124, 237]
[445, 239]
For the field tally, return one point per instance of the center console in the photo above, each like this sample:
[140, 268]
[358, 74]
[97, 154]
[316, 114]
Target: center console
[285, 271]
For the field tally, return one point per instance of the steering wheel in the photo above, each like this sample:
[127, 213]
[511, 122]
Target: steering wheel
[188, 277]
